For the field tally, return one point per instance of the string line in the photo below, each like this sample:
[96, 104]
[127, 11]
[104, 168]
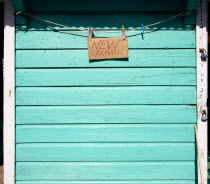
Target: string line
[183, 13]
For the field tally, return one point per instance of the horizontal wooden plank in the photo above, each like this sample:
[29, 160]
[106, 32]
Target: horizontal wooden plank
[110, 182]
[96, 152]
[106, 77]
[79, 58]
[117, 5]
[105, 95]
[75, 39]
[81, 21]
[105, 133]
[106, 114]
[104, 170]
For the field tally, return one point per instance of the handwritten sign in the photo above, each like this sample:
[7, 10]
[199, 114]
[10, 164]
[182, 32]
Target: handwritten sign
[107, 48]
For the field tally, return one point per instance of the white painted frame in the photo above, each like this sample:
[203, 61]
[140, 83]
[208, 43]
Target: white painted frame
[9, 93]
[202, 87]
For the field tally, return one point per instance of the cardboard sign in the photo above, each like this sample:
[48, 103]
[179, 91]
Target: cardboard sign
[107, 48]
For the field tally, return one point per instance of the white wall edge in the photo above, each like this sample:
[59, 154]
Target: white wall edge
[9, 94]
[202, 91]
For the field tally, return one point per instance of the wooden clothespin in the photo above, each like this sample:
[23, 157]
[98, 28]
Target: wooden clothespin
[123, 28]
[90, 32]
[123, 32]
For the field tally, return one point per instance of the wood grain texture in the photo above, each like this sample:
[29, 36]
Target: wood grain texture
[110, 182]
[107, 152]
[117, 5]
[105, 95]
[68, 39]
[82, 21]
[106, 77]
[105, 133]
[104, 170]
[79, 58]
[106, 114]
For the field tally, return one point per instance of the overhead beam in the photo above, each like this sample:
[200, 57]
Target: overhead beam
[193, 5]
[19, 5]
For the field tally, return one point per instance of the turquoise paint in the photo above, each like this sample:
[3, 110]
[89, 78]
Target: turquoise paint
[106, 114]
[112, 121]
[108, 182]
[79, 58]
[105, 95]
[105, 152]
[67, 40]
[77, 171]
[106, 77]
[158, 133]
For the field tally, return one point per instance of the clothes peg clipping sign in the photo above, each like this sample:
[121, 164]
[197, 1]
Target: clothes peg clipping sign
[107, 48]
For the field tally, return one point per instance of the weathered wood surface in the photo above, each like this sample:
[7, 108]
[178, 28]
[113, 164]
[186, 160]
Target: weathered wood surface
[105, 152]
[105, 95]
[78, 171]
[105, 133]
[202, 92]
[106, 114]
[100, 77]
[67, 40]
[79, 58]
[110, 134]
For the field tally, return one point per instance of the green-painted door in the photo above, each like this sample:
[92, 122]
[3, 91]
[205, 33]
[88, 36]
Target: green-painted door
[108, 121]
